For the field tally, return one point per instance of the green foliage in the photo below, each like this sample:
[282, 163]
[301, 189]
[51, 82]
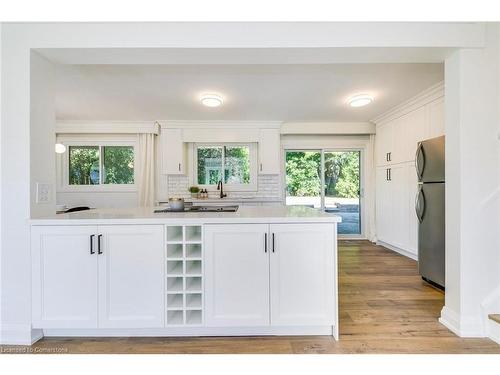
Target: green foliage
[83, 165]
[303, 173]
[303, 170]
[194, 189]
[118, 165]
[236, 165]
[342, 174]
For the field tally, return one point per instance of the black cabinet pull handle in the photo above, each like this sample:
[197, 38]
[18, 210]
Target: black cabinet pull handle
[273, 242]
[179, 167]
[92, 244]
[99, 244]
[265, 242]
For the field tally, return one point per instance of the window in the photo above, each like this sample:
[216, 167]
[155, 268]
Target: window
[95, 163]
[100, 165]
[234, 164]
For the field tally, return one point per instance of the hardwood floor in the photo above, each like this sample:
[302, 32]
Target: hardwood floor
[385, 307]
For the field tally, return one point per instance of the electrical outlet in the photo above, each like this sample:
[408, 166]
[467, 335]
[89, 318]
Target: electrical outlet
[43, 192]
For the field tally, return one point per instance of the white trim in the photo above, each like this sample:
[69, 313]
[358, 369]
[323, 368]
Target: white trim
[461, 326]
[62, 162]
[333, 128]
[108, 127]
[186, 331]
[252, 186]
[429, 95]
[184, 124]
[398, 250]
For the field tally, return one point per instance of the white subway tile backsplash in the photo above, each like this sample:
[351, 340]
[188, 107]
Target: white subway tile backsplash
[268, 186]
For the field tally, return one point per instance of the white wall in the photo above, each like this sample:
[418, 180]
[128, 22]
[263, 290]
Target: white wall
[18, 39]
[472, 184]
[42, 132]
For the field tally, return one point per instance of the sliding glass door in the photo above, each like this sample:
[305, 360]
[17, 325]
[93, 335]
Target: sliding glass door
[329, 180]
[342, 189]
[303, 178]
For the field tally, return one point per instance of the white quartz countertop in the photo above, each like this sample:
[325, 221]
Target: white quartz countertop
[145, 215]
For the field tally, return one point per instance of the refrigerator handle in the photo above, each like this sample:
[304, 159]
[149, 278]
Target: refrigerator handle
[420, 205]
[420, 161]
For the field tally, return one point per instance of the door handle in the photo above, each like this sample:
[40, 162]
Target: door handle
[420, 160]
[390, 177]
[92, 244]
[273, 243]
[390, 156]
[265, 242]
[179, 167]
[99, 251]
[420, 205]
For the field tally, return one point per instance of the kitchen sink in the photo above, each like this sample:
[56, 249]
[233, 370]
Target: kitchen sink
[202, 209]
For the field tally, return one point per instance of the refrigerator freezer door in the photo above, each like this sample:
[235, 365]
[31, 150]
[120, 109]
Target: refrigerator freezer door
[429, 160]
[431, 232]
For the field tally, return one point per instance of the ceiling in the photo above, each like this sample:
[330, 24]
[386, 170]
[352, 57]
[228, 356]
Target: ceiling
[277, 92]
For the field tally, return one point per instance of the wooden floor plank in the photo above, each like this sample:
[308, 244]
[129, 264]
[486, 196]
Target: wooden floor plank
[384, 307]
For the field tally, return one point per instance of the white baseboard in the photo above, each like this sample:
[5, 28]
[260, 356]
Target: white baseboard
[461, 326]
[19, 334]
[398, 250]
[194, 331]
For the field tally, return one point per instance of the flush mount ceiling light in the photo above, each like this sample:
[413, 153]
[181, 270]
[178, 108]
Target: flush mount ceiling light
[360, 100]
[211, 100]
[60, 148]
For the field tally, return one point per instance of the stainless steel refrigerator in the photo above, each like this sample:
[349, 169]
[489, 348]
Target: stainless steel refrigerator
[430, 210]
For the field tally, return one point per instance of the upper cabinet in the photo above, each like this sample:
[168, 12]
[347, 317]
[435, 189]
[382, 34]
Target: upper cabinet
[269, 151]
[173, 151]
[397, 139]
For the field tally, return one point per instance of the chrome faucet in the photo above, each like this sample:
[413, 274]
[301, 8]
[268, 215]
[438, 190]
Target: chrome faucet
[220, 187]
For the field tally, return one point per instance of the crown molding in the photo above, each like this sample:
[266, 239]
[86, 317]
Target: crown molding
[176, 124]
[108, 127]
[429, 95]
[330, 128]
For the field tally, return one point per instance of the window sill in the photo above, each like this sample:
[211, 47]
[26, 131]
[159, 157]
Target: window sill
[98, 189]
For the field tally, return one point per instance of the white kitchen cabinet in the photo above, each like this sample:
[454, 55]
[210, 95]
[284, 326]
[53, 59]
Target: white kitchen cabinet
[131, 276]
[236, 275]
[98, 276]
[269, 151]
[278, 275]
[64, 277]
[302, 279]
[383, 143]
[395, 215]
[396, 181]
[173, 152]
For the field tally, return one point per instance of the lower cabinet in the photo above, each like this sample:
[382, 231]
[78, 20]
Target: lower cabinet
[278, 274]
[396, 186]
[97, 276]
[236, 275]
[64, 277]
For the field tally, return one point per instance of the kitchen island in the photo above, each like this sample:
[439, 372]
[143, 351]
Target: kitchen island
[133, 272]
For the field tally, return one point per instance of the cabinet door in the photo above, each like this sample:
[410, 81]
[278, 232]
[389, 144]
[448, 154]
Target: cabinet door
[382, 204]
[131, 276]
[173, 151]
[64, 277]
[302, 274]
[236, 275]
[383, 144]
[269, 151]
[399, 229]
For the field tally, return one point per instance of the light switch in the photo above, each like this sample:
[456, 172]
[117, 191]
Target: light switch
[43, 192]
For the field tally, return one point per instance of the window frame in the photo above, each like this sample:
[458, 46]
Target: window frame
[251, 186]
[63, 164]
